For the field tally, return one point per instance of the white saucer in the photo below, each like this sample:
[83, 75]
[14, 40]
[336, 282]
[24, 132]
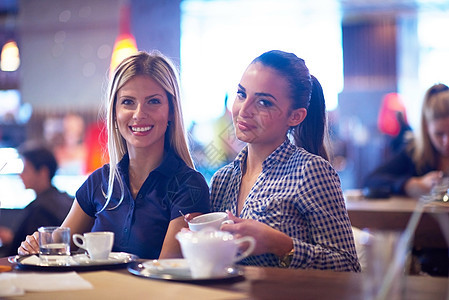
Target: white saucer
[167, 264]
[175, 270]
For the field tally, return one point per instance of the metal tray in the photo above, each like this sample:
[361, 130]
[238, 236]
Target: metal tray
[176, 270]
[76, 262]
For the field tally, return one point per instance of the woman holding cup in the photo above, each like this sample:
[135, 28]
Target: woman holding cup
[287, 196]
[150, 176]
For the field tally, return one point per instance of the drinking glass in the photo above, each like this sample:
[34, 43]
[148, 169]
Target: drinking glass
[439, 191]
[385, 257]
[54, 245]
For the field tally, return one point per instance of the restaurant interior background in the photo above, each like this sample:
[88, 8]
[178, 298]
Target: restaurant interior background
[367, 54]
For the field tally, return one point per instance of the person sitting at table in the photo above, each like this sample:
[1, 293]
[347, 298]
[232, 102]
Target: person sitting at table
[50, 205]
[286, 195]
[150, 176]
[416, 169]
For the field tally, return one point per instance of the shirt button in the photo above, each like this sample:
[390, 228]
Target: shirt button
[126, 230]
[140, 196]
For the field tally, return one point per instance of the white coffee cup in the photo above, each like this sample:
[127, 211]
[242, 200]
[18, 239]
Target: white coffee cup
[212, 220]
[210, 253]
[97, 244]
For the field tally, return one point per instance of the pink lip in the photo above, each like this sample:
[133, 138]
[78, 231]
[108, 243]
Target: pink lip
[140, 133]
[243, 126]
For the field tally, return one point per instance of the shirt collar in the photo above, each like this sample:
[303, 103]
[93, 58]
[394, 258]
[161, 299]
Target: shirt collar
[279, 155]
[170, 163]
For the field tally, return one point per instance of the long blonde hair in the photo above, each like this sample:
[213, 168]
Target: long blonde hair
[435, 106]
[163, 71]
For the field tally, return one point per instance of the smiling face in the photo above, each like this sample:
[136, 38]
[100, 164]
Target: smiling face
[439, 135]
[142, 114]
[262, 111]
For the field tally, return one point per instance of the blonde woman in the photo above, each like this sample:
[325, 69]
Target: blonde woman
[421, 164]
[150, 176]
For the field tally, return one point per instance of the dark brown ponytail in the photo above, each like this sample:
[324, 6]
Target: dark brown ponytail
[310, 133]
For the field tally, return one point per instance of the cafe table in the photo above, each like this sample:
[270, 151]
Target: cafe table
[256, 283]
[394, 214]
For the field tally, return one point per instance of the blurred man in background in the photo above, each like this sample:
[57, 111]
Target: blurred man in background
[50, 206]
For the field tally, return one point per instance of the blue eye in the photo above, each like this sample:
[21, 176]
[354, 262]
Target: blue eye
[154, 101]
[126, 101]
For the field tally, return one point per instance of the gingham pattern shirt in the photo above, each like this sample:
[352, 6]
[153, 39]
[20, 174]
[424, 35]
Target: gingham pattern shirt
[299, 194]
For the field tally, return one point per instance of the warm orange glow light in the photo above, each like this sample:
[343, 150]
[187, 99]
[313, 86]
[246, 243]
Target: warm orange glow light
[9, 58]
[124, 46]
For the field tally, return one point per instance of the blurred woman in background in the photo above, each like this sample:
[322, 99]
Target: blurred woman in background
[425, 160]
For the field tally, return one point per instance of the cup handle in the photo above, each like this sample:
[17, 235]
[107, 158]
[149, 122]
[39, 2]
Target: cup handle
[227, 222]
[252, 245]
[77, 236]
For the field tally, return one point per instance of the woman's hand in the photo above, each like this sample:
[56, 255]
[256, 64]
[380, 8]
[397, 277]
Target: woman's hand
[268, 240]
[30, 245]
[418, 186]
[188, 217]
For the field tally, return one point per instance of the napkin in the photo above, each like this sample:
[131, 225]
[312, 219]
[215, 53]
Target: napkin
[14, 284]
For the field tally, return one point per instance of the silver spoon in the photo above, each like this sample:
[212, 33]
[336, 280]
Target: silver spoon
[183, 215]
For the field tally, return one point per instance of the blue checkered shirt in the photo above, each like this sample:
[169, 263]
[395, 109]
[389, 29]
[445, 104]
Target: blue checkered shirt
[297, 193]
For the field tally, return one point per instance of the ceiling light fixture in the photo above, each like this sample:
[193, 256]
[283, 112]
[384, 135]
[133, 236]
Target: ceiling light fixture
[125, 44]
[9, 57]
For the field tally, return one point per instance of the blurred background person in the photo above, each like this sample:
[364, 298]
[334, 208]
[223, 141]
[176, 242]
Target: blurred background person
[422, 163]
[392, 122]
[71, 152]
[419, 169]
[50, 206]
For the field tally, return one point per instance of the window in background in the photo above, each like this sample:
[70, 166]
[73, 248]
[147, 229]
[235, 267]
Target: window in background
[13, 117]
[220, 38]
[425, 55]
[13, 194]
[434, 48]
[432, 33]
[12, 191]
[10, 104]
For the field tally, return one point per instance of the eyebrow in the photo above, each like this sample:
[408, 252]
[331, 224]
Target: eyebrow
[147, 97]
[154, 95]
[260, 94]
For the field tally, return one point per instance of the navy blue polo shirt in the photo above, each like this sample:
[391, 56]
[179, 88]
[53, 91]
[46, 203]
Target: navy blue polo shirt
[140, 224]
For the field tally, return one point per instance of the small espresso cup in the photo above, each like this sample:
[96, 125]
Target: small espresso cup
[210, 253]
[54, 245]
[97, 244]
[212, 220]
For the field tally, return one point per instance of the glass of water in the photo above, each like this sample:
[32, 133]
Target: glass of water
[54, 245]
[439, 191]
